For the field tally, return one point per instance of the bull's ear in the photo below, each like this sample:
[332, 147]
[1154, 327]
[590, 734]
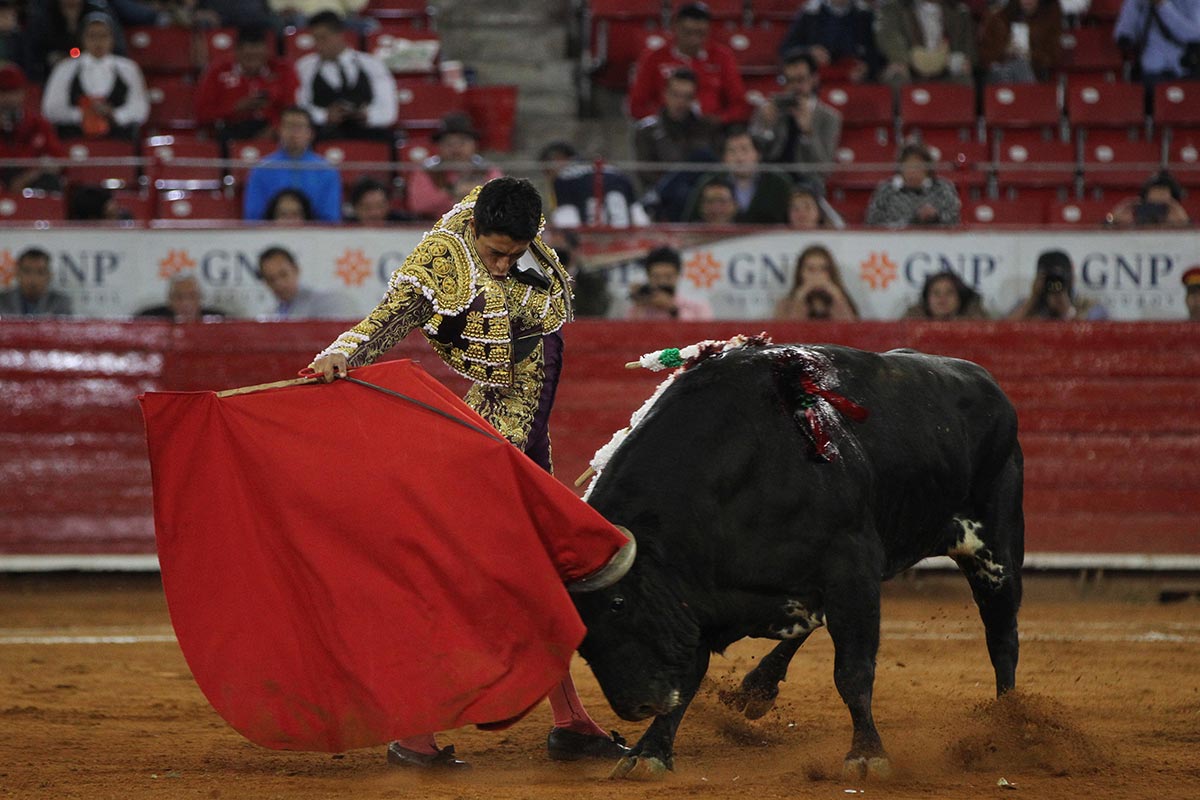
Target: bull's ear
[611, 572]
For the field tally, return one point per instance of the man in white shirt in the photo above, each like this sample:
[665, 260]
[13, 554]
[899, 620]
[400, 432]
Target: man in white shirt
[97, 94]
[349, 93]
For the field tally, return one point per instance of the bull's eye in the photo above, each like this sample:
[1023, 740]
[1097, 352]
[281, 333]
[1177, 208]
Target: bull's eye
[618, 604]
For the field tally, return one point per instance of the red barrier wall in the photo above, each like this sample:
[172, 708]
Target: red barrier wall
[1109, 415]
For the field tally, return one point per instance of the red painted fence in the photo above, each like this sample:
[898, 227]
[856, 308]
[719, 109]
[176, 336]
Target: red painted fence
[1109, 415]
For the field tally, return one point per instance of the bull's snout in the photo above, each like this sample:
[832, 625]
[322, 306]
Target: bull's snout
[649, 708]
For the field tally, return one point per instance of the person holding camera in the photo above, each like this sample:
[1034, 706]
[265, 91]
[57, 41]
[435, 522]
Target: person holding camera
[1164, 36]
[795, 126]
[657, 299]
[349, 94]
[244, 97]
[1052, 296]
[1156, 204]
[817, 291]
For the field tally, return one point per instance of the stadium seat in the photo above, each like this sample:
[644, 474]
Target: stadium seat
[774, 9]
[493, 111]
[297, 43]
[1091, 51]
[136, 204]
[851, 204]
[340, 151]
[412, 14]
[250, 150]
[166, 174]
[858, 148]
[1003, 212]
[1024, 162]
[755, 49]
[925, 106]
[423, 104]
[30, 205]
[1093, 103]
[617, 31]
[1079, 212]
[1177, 104]
[198, 205]
[172, 102]
[1104, 11]
[864, 106]
[85, 152]
[1183, 158]
[161, 51]
[1022, 105]
[966, 161]
[413, 54]
[1115, 162]
[219, 44]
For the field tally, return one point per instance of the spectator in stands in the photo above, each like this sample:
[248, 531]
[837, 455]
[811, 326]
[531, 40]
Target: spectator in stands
[808, 210]
[24, 134]
[98, 94]
[184, 13]
[925, 40]
[33, 296]
[290, 207]
[294, 166]
[185, 302]
[944, 297]
[676, 133]
[1162, 35]
[591, 285]
[1053, 294]
[1191, 285]
[14, 42]
[349, 93]
[915, 195]
[1019, 41]
[657, 298]
[1157, 204]
[840, 34]
[720, 91]
[795, 126]
[371, 203]
[715, 204]
[277, 268]
[56, 32]
[243, 98]
[456, 169]
[573, 191]
[761, 197]
[95, 204]
[817, 290]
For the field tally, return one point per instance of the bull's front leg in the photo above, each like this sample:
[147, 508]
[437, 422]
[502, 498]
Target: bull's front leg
[654, 753]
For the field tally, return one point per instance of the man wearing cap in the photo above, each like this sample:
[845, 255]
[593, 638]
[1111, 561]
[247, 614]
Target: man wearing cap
[33, 296]
[455, 170]
[1191, 283]
[24, 134]
[244, 97]
[98, 94]
[350, 94]
[719, 88]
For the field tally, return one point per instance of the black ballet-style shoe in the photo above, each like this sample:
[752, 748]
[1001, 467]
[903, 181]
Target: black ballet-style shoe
[567, 745]
[444, 758]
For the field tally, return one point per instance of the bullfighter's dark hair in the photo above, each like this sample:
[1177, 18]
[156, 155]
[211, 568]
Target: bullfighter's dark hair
[509, 206]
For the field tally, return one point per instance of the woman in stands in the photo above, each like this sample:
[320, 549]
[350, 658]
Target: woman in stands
[946, 297]
[1019, 42]
[915, 195]
[809, 211]
[98, 94]
[817, 290]
[289, 207]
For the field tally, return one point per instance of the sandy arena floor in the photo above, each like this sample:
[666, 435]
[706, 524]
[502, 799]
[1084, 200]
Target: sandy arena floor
[1108, 706]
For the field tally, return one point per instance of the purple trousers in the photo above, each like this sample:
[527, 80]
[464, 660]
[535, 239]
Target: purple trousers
[537, 446]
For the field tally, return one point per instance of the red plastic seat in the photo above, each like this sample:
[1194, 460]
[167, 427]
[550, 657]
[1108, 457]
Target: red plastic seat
[1003, 212]
[962, 162]
[219, 45]
[858, 148]
[1079, 212]
[161, 50]
[1183, 158]
[1100, 104]
[774, 9]
[937, 105]
[375, 156]
[1091, 50]
[297, 43]
[31, 205]
[198, 205]
[863, 106]
[1177, 103]
[412, 11]
[755, 49]
[493, 111]
[165, 150]
[85, 152]
[1021, 105]
[1104, 155]
[172, 102]
[423, 104]
[250, 150]
[1103, 10]
[1027, 161]
[135, 203]
[615, 46]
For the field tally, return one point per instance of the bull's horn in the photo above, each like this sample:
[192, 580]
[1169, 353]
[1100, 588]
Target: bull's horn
[611, 572]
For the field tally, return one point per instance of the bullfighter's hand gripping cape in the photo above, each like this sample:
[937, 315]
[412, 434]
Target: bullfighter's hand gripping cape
[343, 567]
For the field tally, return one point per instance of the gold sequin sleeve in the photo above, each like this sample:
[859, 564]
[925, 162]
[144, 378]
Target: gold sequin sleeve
[403, 308]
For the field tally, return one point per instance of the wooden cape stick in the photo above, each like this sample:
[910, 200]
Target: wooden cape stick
[275, 385]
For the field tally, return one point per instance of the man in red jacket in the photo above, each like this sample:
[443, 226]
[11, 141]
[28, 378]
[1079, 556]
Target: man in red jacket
[24, 133]
[719, 88]
[243, 98]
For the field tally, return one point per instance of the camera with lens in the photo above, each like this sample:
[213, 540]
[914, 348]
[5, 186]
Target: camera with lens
[1057, 278]
[786, 101]
[1150, 213]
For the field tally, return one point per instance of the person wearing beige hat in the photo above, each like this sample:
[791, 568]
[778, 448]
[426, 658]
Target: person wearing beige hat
[455, 170]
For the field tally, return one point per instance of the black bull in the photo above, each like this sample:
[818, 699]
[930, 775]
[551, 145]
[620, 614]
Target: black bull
[743, 530]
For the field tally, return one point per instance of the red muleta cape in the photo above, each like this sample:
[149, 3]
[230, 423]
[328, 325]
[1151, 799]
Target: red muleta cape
[344, 568]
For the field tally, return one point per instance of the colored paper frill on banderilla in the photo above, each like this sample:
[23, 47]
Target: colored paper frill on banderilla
[344, 567]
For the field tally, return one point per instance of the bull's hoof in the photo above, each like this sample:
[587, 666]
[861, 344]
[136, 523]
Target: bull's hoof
[640, 768]
[752, 703]
[860, 768]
